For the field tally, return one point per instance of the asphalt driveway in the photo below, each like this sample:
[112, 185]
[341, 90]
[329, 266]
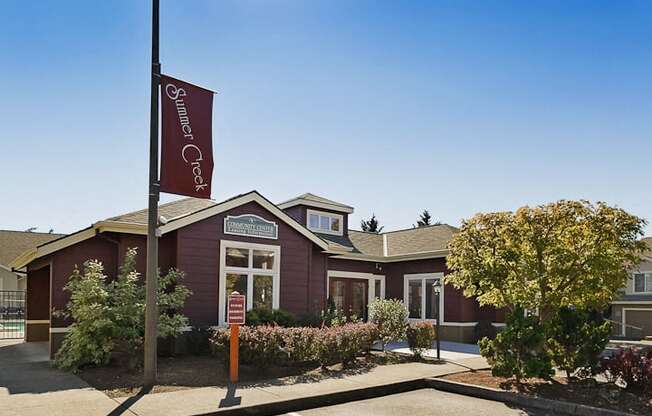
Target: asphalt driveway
[425, 402]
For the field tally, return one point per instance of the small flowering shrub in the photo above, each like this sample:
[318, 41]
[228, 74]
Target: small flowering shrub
[390, 315]
[420, 337]
[630, 366]
[341, 344]
[300, 344]
[264, 346]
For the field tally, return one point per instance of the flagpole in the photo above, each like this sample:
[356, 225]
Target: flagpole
[151, 277]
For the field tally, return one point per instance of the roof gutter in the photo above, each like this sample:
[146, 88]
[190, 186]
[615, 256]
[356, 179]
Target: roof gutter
[390, 259]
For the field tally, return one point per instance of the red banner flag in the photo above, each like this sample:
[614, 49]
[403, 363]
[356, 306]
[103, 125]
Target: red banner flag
[186, 136]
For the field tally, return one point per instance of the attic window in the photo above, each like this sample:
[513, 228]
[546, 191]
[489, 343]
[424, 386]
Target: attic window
[325, 222]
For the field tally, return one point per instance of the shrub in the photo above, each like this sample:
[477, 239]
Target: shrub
[518, 350]
[92, 336]
[341, 344]
[313, 320]
[484, 328]
[264, 316]
[630, 366]
[390, 316]
[300, 344]
[575, 340]
[109, 314]
[198, 340]
[264, 346]
[420, 337]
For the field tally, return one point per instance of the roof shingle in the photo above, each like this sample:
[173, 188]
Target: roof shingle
[170, 210]
[15, 243]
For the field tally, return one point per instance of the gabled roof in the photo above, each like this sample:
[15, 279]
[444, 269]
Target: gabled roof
[178, 214]
[14, 243]
[312, 200]
[170, 210]
[367, 243]
[419, 239]
[409, 244]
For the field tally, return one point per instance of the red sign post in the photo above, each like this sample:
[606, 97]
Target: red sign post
[235, 317]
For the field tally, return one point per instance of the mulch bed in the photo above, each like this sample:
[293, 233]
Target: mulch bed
[187, 372]
[588, 392]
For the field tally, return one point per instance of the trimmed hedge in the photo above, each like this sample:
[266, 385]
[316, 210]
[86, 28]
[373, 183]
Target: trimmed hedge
[266, 345]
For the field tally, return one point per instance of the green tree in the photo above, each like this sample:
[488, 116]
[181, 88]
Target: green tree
[518, 349]
[110, 314]
[575, 340]
[424, 219]
[371, 225]
[548, 257]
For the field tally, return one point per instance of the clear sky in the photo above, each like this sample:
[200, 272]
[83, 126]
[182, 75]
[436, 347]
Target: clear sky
[392, 107]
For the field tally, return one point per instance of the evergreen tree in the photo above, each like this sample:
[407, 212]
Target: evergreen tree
[425, 219]
[371, 225]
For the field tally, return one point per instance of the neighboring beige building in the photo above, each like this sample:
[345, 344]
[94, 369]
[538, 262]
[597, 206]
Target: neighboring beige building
[633, 311]
[12, 244]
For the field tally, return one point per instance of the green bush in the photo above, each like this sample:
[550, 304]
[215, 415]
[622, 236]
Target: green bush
[110, 315]
[420, 337]
[484, 328]
[341, 344]
[264, 316]
[575, 340]
[519, 349]
[198, 340]
[264, 346]
[390, 316]
[300, 344]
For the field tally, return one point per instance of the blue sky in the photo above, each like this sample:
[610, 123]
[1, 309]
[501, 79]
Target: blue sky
[392, 107]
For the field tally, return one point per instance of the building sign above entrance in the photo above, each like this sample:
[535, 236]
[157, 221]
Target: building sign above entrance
[250, 225]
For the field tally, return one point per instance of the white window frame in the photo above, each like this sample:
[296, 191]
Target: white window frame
[647, 290]
[331, 216]
[407, 278]
[369, 277]
[250, 271]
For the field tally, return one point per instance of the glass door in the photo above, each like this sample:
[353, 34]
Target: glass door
[349, 296]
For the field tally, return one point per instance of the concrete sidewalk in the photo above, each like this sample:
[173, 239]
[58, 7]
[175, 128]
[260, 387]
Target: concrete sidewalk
[29, 386]
[216, 399]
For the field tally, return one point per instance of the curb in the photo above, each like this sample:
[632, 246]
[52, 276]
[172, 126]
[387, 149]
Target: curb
[519, 399]
[321, 400]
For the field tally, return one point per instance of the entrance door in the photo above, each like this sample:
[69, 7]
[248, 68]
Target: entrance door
[349, 296]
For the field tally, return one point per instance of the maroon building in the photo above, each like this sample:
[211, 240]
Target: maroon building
[293, 256]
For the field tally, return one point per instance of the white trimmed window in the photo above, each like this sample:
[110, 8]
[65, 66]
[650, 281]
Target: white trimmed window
[251, 270]
[642, 282]
[419, 296]
[325, 222]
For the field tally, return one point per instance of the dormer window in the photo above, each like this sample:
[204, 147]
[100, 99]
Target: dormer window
[325, 222]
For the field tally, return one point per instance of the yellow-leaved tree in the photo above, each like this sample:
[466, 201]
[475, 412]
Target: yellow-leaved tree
[566, 253]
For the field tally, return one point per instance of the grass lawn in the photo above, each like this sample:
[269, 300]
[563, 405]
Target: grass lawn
[588, 392]
[188, 371]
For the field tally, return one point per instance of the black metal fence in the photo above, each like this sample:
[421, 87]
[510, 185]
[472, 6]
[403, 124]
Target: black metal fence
[12, 314]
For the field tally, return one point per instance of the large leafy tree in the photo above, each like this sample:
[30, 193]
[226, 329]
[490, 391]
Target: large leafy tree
[371, 225]
[547, 257]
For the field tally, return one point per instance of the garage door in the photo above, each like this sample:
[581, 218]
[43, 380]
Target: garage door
[641, 319]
